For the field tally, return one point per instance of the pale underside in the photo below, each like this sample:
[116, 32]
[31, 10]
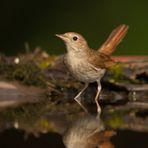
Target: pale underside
[82, 70]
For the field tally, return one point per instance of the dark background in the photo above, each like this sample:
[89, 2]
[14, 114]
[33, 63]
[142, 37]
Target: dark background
[36, 22]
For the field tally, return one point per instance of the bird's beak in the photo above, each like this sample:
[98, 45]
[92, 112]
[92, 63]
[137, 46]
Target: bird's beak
[63, 37]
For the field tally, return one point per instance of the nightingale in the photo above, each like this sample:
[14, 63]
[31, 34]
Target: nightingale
[88, 65]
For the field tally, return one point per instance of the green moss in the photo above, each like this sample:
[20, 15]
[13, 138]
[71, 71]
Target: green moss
[25, 113]
[28, 117]
[28, 73]
[116, 118]
[117, 74]
[117, 71]
[116, 121]
[47, 62]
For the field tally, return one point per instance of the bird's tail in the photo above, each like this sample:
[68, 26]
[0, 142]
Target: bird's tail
[114, 39]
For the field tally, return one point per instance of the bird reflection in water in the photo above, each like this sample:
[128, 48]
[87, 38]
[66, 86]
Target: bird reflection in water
[88, 132]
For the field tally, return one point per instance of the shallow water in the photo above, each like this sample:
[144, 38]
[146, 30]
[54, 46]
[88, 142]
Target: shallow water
[15, 138]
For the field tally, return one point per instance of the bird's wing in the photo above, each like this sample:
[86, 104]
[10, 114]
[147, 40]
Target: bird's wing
[99, 60]
[114, 39]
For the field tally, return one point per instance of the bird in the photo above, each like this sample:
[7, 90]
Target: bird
[88, 65]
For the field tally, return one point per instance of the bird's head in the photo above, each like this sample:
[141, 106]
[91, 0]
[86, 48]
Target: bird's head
[73, 41]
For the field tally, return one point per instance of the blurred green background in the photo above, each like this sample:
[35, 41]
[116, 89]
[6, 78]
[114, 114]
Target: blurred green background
[36, 22]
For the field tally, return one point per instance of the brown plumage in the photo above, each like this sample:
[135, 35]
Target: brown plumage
[100, 60]
[88, 65]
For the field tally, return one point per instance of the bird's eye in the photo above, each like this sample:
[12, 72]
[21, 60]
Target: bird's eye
[75, 38]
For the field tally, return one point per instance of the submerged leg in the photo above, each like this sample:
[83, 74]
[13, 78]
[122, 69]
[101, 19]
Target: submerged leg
[78, 99]
[97, 97]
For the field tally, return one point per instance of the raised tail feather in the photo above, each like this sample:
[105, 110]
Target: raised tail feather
[113, 40]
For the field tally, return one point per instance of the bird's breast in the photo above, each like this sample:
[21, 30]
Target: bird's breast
[81, 69]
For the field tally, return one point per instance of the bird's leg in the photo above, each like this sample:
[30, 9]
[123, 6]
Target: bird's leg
[97, 97]
[78, 98]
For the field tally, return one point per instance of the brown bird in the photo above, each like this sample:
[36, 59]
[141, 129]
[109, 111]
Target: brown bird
[88, 65]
